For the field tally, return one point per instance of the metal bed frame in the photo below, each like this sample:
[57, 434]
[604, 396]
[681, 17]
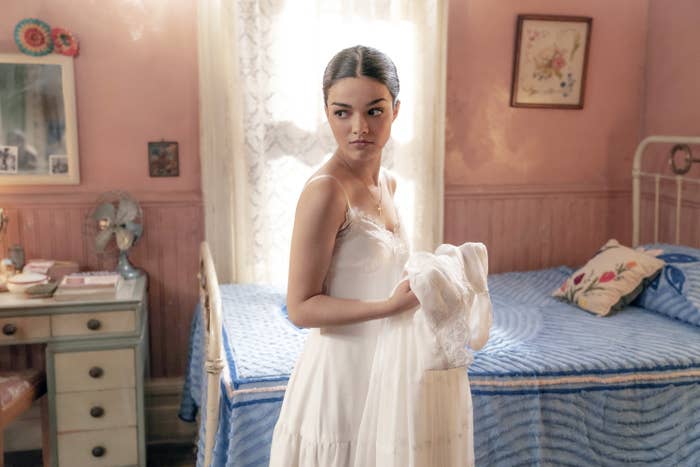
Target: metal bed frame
[681, 144]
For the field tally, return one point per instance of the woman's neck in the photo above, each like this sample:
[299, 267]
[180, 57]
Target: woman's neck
[367, 171]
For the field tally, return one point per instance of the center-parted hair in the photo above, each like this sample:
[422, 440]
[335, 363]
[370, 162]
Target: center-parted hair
[360, 60]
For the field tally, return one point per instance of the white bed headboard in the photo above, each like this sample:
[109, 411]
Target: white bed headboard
[681, 146]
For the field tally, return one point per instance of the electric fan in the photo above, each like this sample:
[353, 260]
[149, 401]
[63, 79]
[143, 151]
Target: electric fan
[116, 214]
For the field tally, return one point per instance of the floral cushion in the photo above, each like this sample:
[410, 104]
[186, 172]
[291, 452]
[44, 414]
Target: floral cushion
[676, 291]
[610, 280]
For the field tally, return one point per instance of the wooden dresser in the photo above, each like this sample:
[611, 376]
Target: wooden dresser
[96, 362]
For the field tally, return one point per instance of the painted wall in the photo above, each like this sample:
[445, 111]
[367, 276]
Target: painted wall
[672, 92]
[540, 186]
[136, 81]
[672, 107]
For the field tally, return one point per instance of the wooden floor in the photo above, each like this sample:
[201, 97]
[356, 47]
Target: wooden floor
[160, 455]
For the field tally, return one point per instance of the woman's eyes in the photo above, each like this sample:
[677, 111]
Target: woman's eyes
[373, 112]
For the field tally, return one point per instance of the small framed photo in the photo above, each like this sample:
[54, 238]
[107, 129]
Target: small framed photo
[8, 159]
[163, 159]
[549, 66]
[58, 164]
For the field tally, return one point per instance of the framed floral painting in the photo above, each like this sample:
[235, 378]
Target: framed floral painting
[549, 67]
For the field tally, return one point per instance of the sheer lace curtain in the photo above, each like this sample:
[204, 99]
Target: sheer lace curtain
[262, 124]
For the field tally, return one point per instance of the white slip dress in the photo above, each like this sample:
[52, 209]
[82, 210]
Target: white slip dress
[325, 397]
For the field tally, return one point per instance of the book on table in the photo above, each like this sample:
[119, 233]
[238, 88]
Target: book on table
[87, 286]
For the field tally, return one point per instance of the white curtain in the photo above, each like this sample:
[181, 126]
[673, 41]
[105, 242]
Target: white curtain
[263, 129]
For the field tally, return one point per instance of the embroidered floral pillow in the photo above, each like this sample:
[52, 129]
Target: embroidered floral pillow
[610, 280]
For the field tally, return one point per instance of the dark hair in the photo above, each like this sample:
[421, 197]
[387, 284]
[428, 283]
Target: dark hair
[357, 61]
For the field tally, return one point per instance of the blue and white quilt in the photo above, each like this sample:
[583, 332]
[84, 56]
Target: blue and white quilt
[555, 385]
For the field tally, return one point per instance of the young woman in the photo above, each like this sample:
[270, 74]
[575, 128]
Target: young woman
[347, 255]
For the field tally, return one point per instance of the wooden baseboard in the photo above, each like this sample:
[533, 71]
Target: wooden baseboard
[162, 403]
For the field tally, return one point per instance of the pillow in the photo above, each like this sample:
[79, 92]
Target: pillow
[610, 280]
[676, 291]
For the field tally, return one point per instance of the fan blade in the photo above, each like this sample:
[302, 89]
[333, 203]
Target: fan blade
[104, 211]
[127, 211]
[125, 238]
[102, 238]
[137, 229]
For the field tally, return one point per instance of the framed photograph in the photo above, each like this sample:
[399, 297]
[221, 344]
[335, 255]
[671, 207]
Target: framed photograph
[549, 66]
[163, 159]
[58, 165]
[8, 159]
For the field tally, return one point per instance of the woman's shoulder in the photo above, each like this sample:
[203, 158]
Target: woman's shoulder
[324, 189]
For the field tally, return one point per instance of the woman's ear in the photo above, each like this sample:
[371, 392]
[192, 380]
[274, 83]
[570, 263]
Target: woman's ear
[396, 108]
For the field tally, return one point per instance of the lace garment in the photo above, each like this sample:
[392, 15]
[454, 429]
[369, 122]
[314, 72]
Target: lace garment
[418, 410]
[452, 289]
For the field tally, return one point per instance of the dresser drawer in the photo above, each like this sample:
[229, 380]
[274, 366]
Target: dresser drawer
[95, 410]
[98, 448]
[24, 328]
[94, 370]
[89, 324]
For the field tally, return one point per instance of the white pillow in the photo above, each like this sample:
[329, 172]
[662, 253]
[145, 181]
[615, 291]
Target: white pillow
[610, 280]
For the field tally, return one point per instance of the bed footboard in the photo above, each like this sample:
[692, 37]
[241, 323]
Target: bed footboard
[210, 299]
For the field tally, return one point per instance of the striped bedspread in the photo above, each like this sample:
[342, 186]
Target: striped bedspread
[555, 385]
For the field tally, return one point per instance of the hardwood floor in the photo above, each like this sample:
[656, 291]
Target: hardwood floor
[159, 455]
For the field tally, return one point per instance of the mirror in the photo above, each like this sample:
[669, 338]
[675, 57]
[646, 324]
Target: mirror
[38, 126]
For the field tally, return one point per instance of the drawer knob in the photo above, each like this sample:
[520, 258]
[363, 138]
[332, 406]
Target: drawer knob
[94, 324]
[9, 329]
[98, 451]
[96, 372]
[97, 411]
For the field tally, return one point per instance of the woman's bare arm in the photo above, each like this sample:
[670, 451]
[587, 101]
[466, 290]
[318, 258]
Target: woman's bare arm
[319, 214]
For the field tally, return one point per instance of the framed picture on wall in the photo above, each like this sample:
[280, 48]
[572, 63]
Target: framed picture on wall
[163, 159]
[549, 66]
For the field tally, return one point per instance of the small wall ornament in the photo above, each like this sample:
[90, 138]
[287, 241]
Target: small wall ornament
[64, 42]
[33, 37]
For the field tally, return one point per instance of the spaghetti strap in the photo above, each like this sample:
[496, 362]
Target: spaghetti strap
[347, 198]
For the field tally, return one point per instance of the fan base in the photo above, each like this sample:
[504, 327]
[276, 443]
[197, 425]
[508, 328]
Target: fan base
[125, 269]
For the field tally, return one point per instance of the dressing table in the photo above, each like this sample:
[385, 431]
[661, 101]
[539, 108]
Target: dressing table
[96, 361]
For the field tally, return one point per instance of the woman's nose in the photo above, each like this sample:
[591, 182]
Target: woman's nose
[359, 126]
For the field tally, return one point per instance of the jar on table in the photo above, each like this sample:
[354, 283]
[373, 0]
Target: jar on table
[16, 254]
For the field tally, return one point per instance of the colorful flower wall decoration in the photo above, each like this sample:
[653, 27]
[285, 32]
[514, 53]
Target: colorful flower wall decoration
[64, 42]
[35, 37]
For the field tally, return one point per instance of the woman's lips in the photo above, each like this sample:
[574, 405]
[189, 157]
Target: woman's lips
[360, 143]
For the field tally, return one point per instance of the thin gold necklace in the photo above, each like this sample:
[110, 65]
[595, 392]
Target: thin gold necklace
[379, 185]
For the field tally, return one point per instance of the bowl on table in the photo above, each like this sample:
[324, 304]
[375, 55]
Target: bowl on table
[18, 283]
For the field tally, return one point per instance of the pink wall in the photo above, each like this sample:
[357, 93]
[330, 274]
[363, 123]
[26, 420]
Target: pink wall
[136, 81]
[489, 142]
[540, 186]
[672, 90]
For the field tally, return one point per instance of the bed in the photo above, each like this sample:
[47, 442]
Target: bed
[553, 386]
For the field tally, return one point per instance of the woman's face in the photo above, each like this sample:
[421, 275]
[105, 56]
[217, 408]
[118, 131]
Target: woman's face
[360, 114]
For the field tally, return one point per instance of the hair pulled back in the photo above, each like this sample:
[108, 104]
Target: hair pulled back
[360, 60]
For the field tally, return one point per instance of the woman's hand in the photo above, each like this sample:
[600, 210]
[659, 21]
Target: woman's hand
[402, 299]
